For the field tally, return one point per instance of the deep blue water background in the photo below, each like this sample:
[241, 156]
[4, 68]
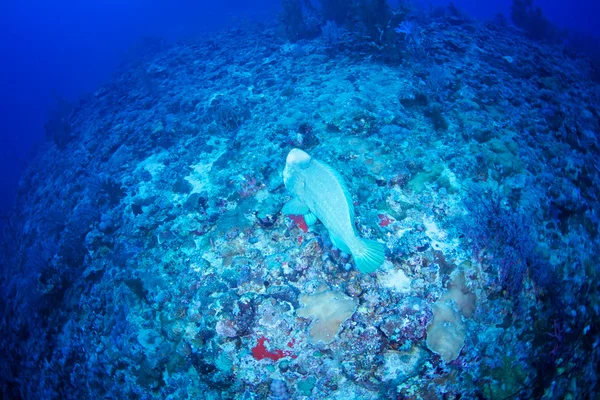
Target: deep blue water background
[72, 47]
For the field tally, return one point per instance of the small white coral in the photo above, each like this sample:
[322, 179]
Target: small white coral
[395, 280]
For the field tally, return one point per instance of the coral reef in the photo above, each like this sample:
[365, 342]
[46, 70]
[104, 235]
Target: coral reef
[148, 256]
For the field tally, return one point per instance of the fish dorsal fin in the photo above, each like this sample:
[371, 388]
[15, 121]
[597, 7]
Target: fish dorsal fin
[338, 177]
[295, 207]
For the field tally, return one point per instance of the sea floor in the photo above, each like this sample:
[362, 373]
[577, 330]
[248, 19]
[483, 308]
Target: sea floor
[148, 257]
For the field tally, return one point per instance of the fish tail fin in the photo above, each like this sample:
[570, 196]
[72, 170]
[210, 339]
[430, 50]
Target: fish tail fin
[369, 257]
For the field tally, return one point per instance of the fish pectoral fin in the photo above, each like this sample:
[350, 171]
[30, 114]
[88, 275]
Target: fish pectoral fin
[310, 219]
[295, 207]
[339, 243]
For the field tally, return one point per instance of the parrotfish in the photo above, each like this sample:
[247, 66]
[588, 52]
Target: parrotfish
[320, 193]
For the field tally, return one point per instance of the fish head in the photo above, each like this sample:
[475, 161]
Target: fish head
[298, 159]
[296, 163]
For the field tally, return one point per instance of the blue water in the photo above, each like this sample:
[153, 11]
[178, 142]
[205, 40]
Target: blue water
[73, 47]
[154, 247]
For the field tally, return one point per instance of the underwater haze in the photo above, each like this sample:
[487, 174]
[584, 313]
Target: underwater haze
[300, 199]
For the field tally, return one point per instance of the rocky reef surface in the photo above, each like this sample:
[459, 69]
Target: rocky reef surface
[148, 258]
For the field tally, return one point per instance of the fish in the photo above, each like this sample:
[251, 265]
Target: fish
[319, 193]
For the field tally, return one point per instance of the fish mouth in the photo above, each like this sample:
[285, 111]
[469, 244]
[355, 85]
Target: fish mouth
[297, 157]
